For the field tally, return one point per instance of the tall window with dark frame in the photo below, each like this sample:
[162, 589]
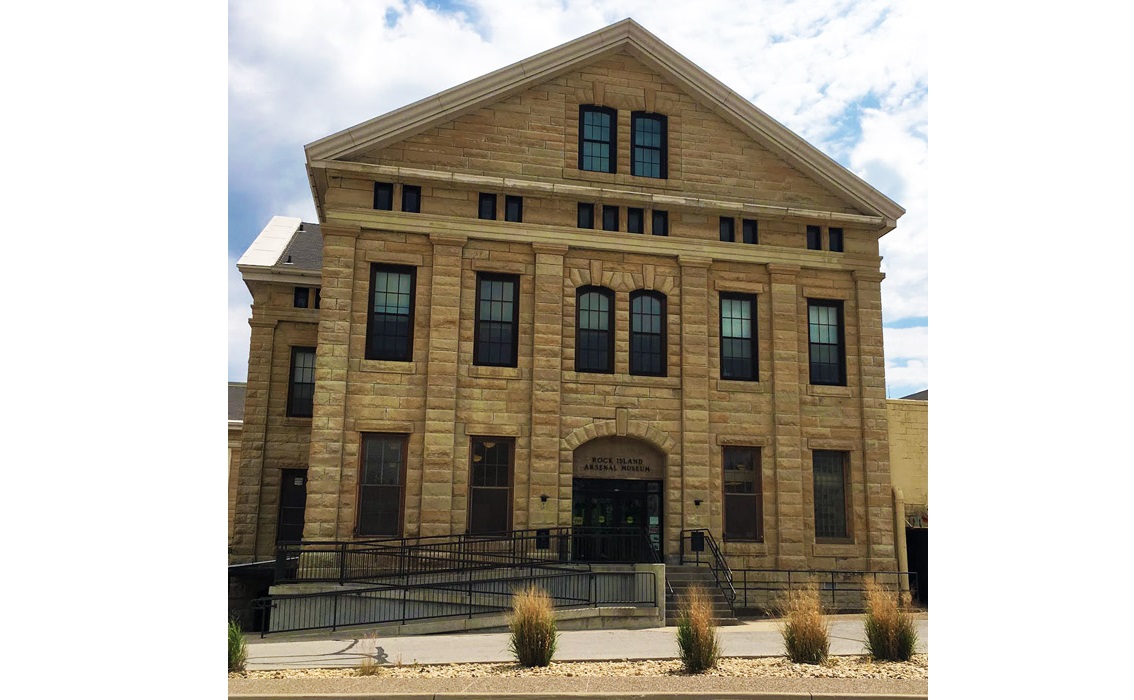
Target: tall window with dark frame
[384, 196]
[513, 208]
[411, 199]
[389, 333]
[814, 242]
[835, 239]
[647, 333]
[380, 484]
[748, 231]
[598, 143]
[486, 206]
[648, 145]
[609, 218]
[497, 320]
[660, 222]
[830, 494]
[743, 494]
[490, 485]
[635, 220]
[586, 217]
[594, 337]
[738, 337]
[301, 382]
[826, 342]
[728, 229]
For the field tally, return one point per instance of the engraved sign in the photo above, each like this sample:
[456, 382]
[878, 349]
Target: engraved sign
[619, 458]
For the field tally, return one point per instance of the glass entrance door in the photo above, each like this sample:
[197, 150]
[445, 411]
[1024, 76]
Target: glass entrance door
[612, 518]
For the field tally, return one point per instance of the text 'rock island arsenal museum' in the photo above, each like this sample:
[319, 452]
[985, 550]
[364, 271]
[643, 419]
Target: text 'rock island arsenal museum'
[594, 297]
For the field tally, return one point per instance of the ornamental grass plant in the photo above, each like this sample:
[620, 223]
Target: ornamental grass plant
[890, 633]
[237, 648]
[697, 639]
[807, 637]
[532, 627]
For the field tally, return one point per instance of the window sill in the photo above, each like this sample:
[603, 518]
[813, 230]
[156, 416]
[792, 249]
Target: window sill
[741, 386]
[621, 379]
[408, 367]
[300, 421]
[829, 390]
[828, 546]
[494, 372]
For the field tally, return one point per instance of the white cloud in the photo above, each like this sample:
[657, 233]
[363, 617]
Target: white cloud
[849, 76]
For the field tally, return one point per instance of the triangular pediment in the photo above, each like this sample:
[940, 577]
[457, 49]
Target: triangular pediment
[783, 168]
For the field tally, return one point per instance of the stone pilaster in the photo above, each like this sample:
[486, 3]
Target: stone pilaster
[695, 453]
[547, 364]
[439, 459]
[875, 441]
[245, 525]
[789, 359]
[327, 515]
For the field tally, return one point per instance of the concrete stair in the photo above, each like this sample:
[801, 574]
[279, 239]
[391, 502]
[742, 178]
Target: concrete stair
[681, 577]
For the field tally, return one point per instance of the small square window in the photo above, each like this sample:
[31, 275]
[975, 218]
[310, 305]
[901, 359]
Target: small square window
[383, 196]
[728, 229]
[513, 208]
[487, 208]
[302, 294]
[835, 237]
[660, 223]
[813, 242]
[411, 198]
[635, 220]
[586, 215]
[748, 231]
[609, 218]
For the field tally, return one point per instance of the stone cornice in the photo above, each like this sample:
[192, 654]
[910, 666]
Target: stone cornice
[654, 200]
[590, 239]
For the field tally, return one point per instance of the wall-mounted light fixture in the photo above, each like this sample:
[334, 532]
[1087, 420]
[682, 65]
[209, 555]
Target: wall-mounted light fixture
[697, 501]
[543, 498]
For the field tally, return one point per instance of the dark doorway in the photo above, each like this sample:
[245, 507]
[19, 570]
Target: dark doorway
[917, 555]
[293, 501]
[616, 519]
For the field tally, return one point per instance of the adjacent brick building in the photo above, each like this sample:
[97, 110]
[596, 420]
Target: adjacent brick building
[594, 288]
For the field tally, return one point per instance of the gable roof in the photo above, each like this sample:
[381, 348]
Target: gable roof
[287, 250]
[625, 35]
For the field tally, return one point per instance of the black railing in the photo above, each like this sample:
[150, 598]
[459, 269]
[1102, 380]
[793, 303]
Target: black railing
[473, 593]
[370, 560]
[700, 549]
[764, 590]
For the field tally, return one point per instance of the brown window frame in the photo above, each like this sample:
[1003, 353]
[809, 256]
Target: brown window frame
[732, 500]
[848, 533]
[474, 489]
[360, 528]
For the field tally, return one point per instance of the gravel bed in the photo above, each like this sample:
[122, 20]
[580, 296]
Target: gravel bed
[731, 667]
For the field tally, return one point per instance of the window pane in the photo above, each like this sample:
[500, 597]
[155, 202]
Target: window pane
[389, 334]
[647, 336]
[738, 337]
[830, 493]
[742, 493]
[380, 490]
[496, 319]
[490, 482]
[586, 215]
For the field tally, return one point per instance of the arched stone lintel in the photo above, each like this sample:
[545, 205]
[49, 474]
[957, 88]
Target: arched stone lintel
[609, 428]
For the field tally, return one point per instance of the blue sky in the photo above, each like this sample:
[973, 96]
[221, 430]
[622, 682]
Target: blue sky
[850, 77]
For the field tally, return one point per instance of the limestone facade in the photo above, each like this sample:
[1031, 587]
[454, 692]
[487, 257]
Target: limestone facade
[515, 133]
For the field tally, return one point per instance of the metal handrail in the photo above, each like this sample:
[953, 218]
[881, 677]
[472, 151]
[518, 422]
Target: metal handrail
[465, 598]
[718, 565]
[834, 582]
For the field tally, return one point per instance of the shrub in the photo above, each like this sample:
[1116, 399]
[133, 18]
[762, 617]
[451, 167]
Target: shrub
[807, 638]
[890, 633]
[533, 627]
[369, 665]
[696, 631]
[237, 650]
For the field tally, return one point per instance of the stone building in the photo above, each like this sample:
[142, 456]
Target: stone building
[594, 288]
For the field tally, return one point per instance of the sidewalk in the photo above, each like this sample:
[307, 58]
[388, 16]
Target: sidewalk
[347, 648]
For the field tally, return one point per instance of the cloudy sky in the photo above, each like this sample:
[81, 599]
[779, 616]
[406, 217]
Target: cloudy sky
[851, 77]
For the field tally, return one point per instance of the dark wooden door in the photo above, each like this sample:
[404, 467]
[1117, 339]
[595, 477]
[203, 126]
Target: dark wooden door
[293, 501]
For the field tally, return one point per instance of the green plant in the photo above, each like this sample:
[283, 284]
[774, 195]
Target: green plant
[532, 626]
[696, 631]
[890, 633]
[237, 648]
[807, 638]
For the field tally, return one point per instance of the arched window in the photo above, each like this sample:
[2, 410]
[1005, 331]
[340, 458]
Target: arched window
[594, 335]
[647, 333]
